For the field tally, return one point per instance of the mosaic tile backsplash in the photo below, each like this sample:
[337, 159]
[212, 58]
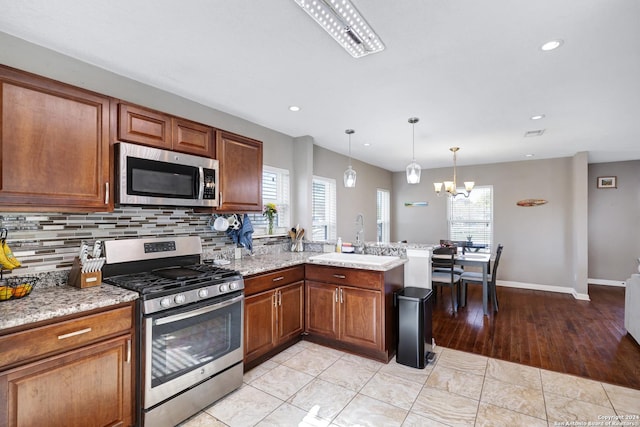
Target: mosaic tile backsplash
[48, 242]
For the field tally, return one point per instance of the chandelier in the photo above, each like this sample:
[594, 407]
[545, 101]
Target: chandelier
[450, 186]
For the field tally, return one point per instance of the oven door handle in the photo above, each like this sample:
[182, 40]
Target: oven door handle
[198, 312]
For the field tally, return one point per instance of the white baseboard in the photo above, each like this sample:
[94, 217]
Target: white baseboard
[547, 288]
[607, 282]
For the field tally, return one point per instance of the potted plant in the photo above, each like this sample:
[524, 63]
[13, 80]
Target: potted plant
[270, 212]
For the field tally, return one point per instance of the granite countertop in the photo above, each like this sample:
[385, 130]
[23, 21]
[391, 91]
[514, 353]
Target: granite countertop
[49, 302]
[248, 266]
[55, 301]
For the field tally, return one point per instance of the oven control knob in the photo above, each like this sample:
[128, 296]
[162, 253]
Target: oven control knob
[203, 293]
[224, 288]
[179, 299]
[233, 285]
[165, 302]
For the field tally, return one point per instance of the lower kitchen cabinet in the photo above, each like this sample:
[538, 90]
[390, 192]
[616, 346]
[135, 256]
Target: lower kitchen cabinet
[353, 309]
[273, 318]
[77, 372]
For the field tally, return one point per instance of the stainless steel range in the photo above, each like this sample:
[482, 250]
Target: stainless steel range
[190, 325]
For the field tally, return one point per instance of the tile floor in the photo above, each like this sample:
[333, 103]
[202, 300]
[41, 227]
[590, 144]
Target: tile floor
[311, 385]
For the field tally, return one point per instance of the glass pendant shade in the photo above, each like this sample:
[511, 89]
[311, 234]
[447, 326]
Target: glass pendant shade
[349, 174]
[350, 177]
[413, 173]
[414, 169]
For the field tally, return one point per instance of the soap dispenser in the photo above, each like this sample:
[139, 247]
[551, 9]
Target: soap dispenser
[339, 245]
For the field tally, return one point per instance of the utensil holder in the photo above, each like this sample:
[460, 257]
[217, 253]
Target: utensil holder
[79, 279]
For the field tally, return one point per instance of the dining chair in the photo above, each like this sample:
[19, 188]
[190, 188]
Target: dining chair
[443, 274]
[446, 250]
[475, 278]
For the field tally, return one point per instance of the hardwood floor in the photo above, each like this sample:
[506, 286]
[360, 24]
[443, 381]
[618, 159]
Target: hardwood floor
[547, 330]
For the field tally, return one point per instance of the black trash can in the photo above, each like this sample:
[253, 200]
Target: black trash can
[414, 327]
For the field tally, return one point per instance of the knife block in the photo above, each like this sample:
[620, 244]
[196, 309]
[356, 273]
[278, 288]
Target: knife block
[79, 279]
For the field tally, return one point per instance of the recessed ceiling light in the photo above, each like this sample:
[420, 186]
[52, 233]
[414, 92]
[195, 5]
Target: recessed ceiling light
[537, 117]
[294, 108]
[367, 144]
[551, 45]
[529, 155]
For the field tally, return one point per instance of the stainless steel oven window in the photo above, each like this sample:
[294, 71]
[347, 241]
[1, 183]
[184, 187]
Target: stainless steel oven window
[187, 346]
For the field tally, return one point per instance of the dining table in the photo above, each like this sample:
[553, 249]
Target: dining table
[478, 260]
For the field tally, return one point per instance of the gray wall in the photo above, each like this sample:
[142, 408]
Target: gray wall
[538, 240]
[614, 221]
[352, 201]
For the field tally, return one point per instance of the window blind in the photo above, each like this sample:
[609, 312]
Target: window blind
[323, 208]
[275, 189]
[472, 217]
[383, 218]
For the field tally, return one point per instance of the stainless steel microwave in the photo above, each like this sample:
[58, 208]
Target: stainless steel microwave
[147, 176]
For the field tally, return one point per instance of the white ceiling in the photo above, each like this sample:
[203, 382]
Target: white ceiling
[472, 71]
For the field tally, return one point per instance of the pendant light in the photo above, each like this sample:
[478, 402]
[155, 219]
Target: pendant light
[414, 169]
[350, 174]
[450, 186]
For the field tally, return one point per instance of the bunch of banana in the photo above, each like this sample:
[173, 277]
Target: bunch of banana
[7, 259]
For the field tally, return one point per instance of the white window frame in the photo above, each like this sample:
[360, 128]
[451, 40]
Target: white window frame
[461, 226]
[326, 220]
[281, 200]
[383, 215]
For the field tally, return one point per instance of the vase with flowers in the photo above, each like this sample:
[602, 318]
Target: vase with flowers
[270, 212]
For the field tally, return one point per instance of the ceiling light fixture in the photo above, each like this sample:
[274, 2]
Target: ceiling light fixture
[537, 117]
[551, 45]
[450, 186]
[294, 108]
[414, 169]
[343, 22]
[349, 174]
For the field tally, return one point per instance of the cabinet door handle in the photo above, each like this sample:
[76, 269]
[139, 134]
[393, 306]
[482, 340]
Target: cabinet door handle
[128, 355]
[280, 298]
[277, 279]
[339, 276]
[275, 299]
[341, 298]
[336, 294]
[73, 334]
[106, 193]
[220, 201]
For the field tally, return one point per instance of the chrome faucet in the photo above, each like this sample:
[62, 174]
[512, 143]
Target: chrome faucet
[359, 246]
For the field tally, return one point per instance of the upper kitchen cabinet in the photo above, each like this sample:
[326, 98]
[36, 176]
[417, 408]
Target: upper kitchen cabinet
[54, 143]
[240, 173]
[144, 126]
[194, 138]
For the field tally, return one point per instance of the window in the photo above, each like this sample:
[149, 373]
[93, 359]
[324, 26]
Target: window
[472, 217]
[275, 189]
[383, 217]
[323, 208]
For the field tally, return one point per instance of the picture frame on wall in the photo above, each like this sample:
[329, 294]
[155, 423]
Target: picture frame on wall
[607, 182]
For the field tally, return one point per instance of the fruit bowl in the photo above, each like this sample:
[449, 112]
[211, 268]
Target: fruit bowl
[16, 287]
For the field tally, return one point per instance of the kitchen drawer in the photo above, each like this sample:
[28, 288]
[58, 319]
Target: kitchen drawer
[62, 336]
[367, 279]
[272, 280]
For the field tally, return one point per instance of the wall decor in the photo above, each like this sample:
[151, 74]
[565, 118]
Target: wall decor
[607, 182]
[527, 203]
[416, 204]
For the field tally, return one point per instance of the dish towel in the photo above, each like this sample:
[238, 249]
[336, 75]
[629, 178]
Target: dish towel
[246, 233]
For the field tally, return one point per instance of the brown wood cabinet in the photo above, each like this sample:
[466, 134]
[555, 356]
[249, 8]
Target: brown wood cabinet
[273, 313]
[353, 309]
[149, 127]
[240, 172]
[46, 126]
[75, 372]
